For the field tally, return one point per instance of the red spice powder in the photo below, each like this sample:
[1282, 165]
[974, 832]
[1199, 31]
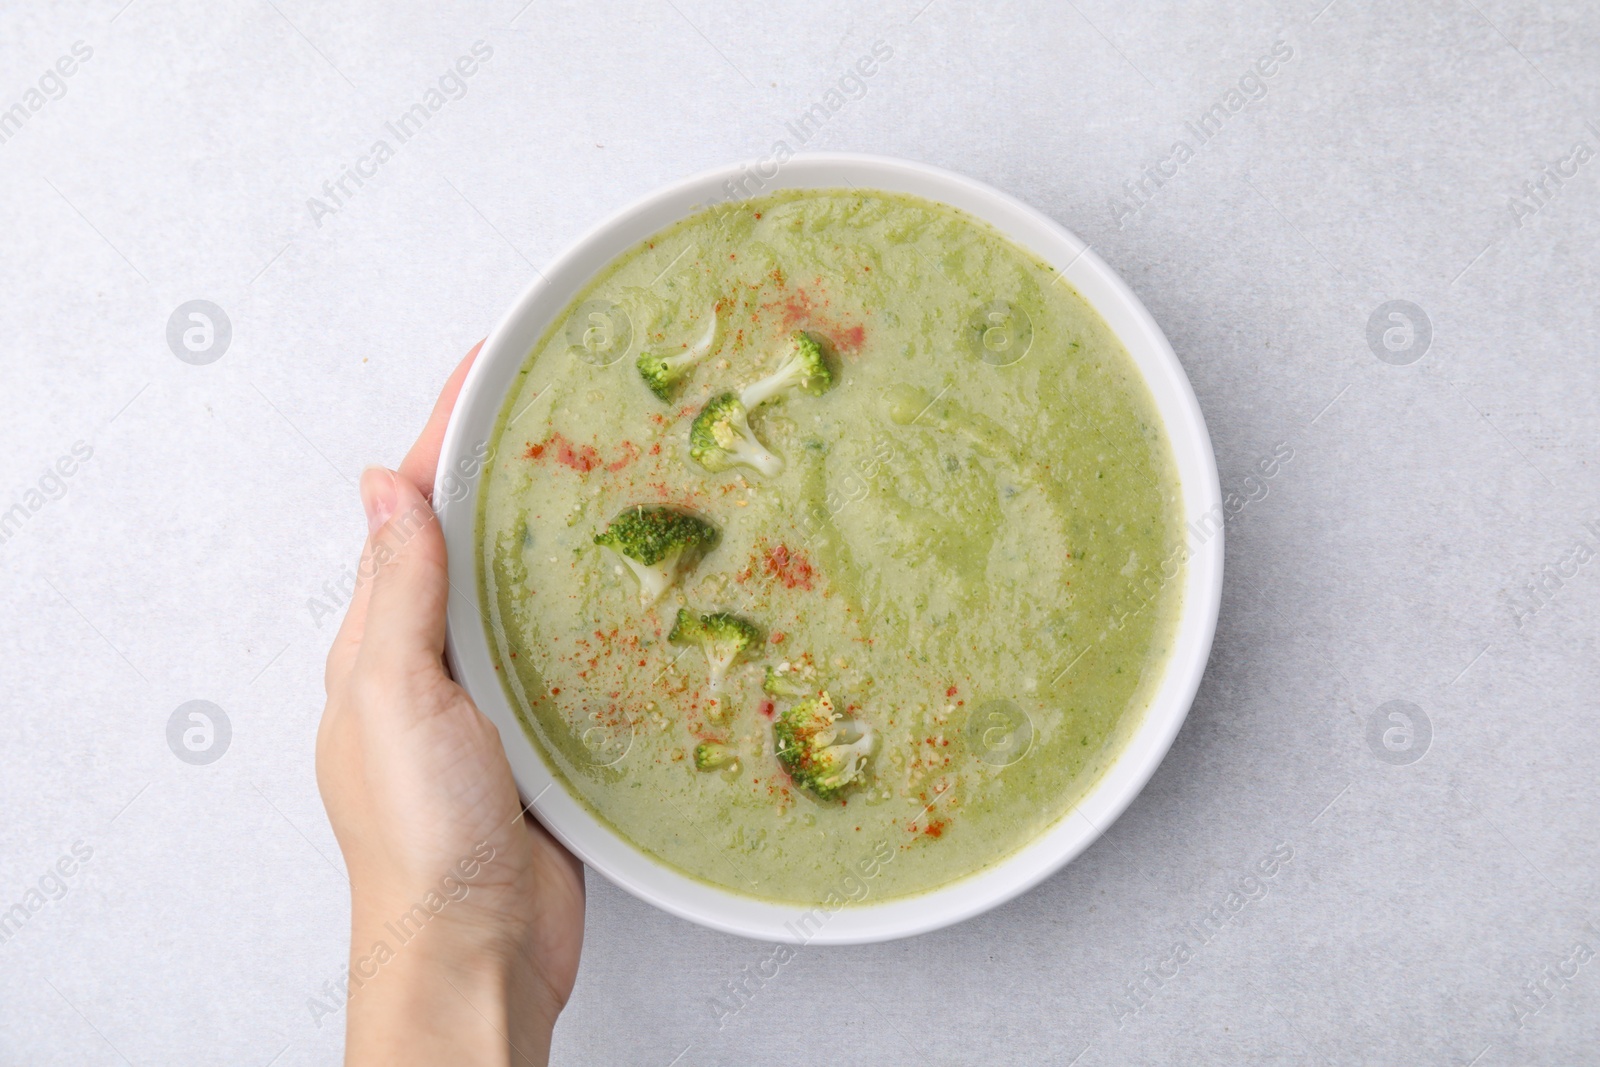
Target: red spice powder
[797, 309]
[630, 452]
[585, 458]
[792, 568]
[581, 458]
[850, 340]
[800, 309]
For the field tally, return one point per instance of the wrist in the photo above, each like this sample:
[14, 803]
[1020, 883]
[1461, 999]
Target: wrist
[452, 932]
[438, 990]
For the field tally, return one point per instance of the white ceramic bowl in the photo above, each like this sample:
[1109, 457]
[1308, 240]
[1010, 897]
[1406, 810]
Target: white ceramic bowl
[597, 844]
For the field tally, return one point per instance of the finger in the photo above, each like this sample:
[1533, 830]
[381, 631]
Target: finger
[403, 629]
[342, 653]
[422, 462]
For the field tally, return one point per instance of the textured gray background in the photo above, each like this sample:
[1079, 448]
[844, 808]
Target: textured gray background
[1388, 560]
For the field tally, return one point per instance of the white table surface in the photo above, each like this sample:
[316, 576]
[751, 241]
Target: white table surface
[1388, 560]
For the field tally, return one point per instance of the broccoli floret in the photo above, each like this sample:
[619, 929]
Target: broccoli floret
[709, 755]
[721, 437]
[657, 543]
[723, 636]
[808, 741]
[665, 373]
[784, 684]
[804, 368]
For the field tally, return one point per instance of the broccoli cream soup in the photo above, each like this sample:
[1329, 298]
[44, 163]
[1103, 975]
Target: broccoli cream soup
[830, 546]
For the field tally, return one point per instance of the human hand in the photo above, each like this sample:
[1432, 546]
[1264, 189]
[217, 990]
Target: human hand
[466, 916]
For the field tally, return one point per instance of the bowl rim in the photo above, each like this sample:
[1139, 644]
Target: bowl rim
[602, 848]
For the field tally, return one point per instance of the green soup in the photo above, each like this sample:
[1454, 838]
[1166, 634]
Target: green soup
[972, 546]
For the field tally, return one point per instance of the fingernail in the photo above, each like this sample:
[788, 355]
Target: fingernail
[378, 495]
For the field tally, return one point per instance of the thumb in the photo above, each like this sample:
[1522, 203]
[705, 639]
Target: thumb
[410, 582]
